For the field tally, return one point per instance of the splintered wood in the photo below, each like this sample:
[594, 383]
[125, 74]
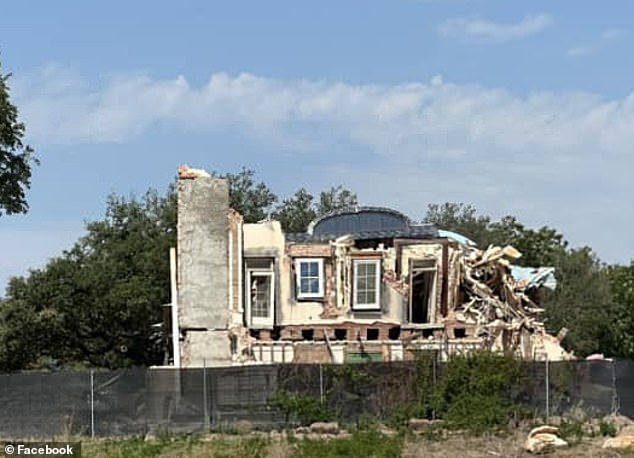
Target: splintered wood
[494, 301]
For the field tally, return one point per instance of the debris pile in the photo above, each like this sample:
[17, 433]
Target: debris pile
[498, 296]
[185, 172]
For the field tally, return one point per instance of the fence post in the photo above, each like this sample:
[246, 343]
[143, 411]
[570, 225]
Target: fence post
[547, 390]
[321, 384]
[92, 403]
[615, 393]
[434, 379]
[205, 406]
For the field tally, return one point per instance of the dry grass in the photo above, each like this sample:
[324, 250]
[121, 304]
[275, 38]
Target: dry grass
[503, 447]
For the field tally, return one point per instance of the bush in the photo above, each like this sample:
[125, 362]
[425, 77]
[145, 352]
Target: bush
[362, 443]
[302, 408]
[477, 391]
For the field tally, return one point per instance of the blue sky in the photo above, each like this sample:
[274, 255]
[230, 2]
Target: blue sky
[522, 108]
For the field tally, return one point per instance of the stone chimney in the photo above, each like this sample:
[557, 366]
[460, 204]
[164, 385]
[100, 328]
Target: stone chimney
[204, 313]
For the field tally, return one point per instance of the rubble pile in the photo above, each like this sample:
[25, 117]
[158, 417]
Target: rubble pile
[495, 299]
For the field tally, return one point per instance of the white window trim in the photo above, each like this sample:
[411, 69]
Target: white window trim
[376, 305]
[261, 321]
[320, 293]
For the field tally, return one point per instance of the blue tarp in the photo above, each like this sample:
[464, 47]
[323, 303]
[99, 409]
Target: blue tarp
[457, 237]
[535, 276]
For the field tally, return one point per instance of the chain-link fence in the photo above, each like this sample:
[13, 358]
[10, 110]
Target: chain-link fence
[141, 400]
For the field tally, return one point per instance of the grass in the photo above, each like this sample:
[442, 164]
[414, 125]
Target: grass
[365, 443]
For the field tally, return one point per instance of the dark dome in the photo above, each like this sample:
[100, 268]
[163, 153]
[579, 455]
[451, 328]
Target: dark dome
[364, 219]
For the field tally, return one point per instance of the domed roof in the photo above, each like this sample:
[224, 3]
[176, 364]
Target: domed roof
[361, 219]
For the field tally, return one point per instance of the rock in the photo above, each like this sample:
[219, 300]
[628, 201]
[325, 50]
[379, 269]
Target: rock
[387, 431]
[325, 428]
[627, 430]
[544, 439]
[276, 435]
[419, 425]
[544, 429]
[620, 421]
[619, 442]
[243, 426]
[544, 443]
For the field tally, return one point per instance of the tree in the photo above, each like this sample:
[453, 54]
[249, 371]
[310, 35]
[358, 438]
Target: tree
[582, 302]
[252, 200]
[15, 157]
[296, 213]
[334, 199]
[460, 218]
[96, 303]
[540, 247]
[621, 337]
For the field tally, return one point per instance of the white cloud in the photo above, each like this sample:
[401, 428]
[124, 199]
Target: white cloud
[614, 33]
[549, 158]
[580, 51]
[441, 116]
[483, 31]
[598, 43]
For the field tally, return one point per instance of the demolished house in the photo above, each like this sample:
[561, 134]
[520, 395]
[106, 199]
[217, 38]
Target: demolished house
[364, 284]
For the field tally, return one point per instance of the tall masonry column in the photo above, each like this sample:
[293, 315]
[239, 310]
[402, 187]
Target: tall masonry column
[204, 313]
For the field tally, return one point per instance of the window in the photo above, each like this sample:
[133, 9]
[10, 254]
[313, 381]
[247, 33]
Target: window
[259, 293]
[422, 286]
[310, 278]
[367, 284]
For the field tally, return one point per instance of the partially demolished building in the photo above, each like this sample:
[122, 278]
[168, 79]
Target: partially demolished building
[359, 285]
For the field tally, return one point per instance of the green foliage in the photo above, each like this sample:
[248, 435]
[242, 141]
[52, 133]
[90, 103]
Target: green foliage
[608, 428]
[583, 304]
[541, 247]
[97, 302]
[362, 444]
[476, 391]
[424, 387]
[303, 408]
[252, 200]
[335, 199]
[621, 337]
[460, 218]
[351, 377]
[136, 447]
[572, 431]
[296, 213]
[220, 447]
[15, 157]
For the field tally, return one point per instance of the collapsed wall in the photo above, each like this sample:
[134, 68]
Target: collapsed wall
[500, 304]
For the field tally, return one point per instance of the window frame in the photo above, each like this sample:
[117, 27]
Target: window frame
[376, 305]
[269, 320]
[298, 279]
